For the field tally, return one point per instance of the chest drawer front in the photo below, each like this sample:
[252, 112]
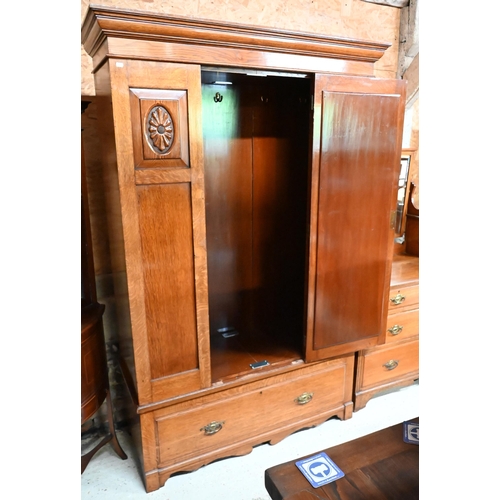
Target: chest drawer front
[386, 363]
[235, 415]
[403, 297]
[402, 325]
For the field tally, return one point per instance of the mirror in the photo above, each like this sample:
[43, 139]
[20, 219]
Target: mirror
[403, 192]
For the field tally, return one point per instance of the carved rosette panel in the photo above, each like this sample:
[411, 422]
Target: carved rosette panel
[160, 130]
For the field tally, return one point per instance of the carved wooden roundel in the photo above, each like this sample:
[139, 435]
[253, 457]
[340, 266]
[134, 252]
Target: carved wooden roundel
[160, 130]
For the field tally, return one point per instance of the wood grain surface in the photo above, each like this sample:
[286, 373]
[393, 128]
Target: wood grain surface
[380, 465]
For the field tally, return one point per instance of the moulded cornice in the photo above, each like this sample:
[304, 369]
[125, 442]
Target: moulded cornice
[104, 22]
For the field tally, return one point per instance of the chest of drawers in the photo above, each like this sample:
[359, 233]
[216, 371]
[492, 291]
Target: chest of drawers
[193, 433]
[394, 364]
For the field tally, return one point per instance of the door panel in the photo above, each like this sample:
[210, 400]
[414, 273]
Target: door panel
[157, 114]
[165, 220]
[356, 149]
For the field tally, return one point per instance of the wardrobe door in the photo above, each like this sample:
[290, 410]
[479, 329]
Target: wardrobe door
[157, 121]
[356, 153]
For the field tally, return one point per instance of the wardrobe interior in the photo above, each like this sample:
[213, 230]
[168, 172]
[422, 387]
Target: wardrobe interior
[256, 164]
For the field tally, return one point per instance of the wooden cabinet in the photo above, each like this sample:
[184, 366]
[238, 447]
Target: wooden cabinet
[395, 364]
[229, 423]
[95, 387]
[251, 178]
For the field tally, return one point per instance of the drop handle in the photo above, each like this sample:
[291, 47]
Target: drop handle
[395, 330]
[304, 398]
[390, 365]
[212, 428]
[398, 299]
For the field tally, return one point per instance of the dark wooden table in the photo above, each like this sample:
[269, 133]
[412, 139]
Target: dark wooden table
[377, 466]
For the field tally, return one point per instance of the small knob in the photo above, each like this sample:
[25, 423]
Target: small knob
[398, 299]
[390, 365]
[212, 428]
[304, 398]
[395, 330]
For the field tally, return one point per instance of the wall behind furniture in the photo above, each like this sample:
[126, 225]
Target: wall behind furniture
[344, 18]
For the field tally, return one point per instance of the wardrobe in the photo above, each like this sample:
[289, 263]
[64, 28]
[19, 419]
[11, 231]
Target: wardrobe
[251, 186]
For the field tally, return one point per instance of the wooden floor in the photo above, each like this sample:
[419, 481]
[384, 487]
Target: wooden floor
[233, 356]
[377, 466]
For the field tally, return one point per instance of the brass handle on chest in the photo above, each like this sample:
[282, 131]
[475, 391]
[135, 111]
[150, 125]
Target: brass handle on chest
[395, 330]
[212, 428]
[398, 299]
[390, 365]
[304, 398]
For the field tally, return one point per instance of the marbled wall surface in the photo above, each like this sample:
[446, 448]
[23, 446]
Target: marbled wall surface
[344, 18]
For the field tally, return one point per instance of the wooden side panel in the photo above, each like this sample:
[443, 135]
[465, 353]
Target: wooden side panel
[227, 138]
[165, 224]
[112, 238]
[280, 161]
[360, 124]
[157, 118]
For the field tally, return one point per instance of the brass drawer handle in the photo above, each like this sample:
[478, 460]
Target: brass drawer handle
[390, 365]
[212, 428]
[398, 299]
[304, 398]
[395, 330]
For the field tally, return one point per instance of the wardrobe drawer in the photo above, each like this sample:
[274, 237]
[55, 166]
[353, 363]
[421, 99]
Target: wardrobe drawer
[197, 427]
[386, 363]
[403, 297]
[402, 325]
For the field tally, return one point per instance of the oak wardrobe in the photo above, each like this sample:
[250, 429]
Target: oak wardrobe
[251, 179]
